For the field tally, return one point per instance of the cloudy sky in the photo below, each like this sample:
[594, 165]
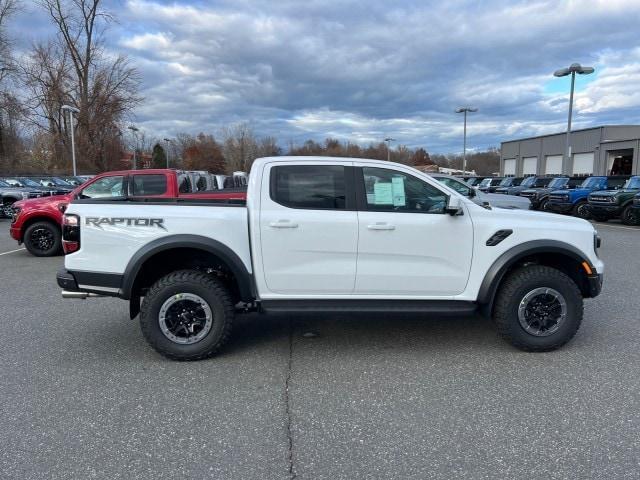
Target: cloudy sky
[363, 70]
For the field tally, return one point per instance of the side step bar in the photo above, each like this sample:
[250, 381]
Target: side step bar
[80, 295]
[434, 307]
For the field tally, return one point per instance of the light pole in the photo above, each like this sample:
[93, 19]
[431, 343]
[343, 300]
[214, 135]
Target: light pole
[563, 72]
[464, 142]
[389, 140]
[134, 130]
[168, 140]
[71, 110]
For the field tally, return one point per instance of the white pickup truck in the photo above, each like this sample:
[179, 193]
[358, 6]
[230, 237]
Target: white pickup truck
[330, 235]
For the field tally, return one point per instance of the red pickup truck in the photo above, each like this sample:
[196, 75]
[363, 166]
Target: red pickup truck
[38, 222]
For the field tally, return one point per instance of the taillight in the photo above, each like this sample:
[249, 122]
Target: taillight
[70, 233]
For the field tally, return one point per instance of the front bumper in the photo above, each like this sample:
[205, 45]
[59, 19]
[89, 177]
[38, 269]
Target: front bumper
[595, 284]
[16, 233]
[608, 210]
[559, 207]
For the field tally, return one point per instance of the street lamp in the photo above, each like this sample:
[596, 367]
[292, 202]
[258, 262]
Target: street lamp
[71, 110]
[389, 140]
[464, 147]
[563, 72]
[134, 130]
[168, 140]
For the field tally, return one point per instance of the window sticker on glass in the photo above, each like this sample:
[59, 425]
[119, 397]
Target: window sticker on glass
[399, 198]
[383, 193]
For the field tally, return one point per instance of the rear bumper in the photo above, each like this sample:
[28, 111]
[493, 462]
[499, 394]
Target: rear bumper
[559, 207]
[90, 282]
[66, 280]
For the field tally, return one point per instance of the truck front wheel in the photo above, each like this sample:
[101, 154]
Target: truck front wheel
[187, 315]
[43, 239]
[581, 210]
[538, 308]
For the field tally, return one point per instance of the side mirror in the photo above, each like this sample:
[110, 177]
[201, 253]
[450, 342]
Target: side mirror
[454, 206]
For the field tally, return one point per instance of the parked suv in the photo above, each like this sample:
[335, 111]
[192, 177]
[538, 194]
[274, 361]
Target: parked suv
[11, 194]
[576, 201]
[527, 182]
[636, 209]
[26, 182]
[508, 182]
[489, 184]
[616, 203]
[539, 196]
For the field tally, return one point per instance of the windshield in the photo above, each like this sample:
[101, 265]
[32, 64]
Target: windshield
[4, 184]
[486, 182]
[558, 182]
[456, 184]
[506, 181]
[591, 182]
[13, 182]
[632, 183]
[59, 182]
[528, 182]
[30, 183]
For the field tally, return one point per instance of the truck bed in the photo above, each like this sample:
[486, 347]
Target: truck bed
[109, 242]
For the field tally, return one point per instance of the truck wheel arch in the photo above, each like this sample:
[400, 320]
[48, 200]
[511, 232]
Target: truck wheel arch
[173, 242]
[530, 250]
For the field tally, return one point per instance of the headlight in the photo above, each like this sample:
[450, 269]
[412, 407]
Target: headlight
[25, 194]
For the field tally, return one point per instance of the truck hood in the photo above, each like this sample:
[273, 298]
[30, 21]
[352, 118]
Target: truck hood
[42, 201]
[542, 220]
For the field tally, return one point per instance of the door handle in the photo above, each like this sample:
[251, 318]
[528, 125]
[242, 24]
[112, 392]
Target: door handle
[381, 226]
[283, 224]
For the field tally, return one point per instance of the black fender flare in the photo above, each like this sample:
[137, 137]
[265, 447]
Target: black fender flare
[228, 256]
[501, 265]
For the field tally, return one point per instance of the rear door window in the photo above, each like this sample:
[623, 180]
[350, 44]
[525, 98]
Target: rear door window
[309, 186]
[147, 185]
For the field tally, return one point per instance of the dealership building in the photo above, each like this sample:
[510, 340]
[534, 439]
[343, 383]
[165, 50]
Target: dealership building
[606, 150]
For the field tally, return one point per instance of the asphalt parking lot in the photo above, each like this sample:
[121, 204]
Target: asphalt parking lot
[83, 396]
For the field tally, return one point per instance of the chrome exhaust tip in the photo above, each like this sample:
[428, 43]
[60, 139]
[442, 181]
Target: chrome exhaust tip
[80, 295]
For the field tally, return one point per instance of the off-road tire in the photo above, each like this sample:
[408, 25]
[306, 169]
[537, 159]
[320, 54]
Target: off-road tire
[514, 288]
[543, 205]
[580, 211]
[187, 281]
[34, 248]
[629, 216]
[7, 208]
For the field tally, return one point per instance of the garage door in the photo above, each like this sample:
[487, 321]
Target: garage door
[529, 165]
[509, 166]
[554, 165]
[583, 163]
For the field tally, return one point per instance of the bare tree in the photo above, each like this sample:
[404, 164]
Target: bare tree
[103, 88]
[240, 147]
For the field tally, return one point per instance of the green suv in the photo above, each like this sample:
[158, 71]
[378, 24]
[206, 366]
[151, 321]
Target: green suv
[607, 204]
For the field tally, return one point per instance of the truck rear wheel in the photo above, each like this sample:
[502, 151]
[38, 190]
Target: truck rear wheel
[187, 315]
[538, 308]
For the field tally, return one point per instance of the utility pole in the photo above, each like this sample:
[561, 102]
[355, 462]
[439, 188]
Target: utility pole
[563, 72]
[168, 140]
[464, 142]
[389, 140]
[134, 130]
[71, 110]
